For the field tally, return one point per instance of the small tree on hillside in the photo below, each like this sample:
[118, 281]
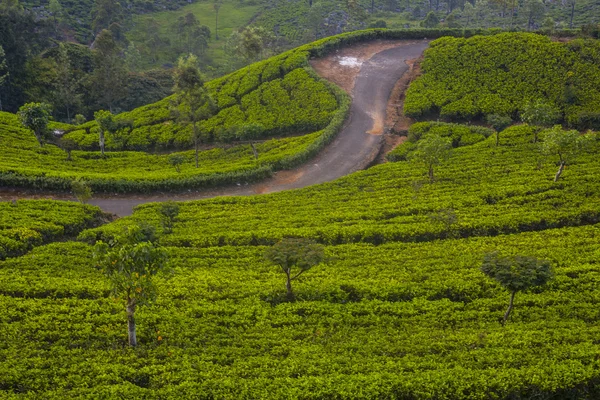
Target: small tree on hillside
[192, 101]
[564, 144]
[35, 117]
[541, 114]
[499, 123]
[431, 150]
[106, 124]
[430, 21]
[517, 273]
[169, 211]
[131, 263]
[295, 256]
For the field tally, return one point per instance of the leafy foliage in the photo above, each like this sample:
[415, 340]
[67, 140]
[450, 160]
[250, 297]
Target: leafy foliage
[508, 74]
[25, 224]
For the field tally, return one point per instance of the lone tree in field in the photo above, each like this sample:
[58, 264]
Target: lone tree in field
[35, 117]
[564, 144]
[516, 273]
[106, 124]
[432, 150]
[169, 211]
[499, 123]
[130, 263]
[295, 256]
[541, 114]
[192, 101]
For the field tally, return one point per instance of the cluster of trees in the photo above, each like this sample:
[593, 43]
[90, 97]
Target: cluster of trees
[73, 78]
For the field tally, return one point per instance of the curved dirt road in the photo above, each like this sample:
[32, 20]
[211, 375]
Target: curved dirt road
[354, 148]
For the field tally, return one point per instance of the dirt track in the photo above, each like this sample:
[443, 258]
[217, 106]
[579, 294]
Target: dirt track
[354, 148]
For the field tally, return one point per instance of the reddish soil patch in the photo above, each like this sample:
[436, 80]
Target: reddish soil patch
[343, 66]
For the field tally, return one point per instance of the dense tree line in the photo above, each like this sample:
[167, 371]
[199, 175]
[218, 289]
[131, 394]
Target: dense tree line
[75, 79]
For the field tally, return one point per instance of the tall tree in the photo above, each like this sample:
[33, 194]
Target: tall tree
[35, 117]
[106, 124]
[516, 273]
[131, 262]
[110, 75]
[104, 13]
[56, 10]
[67, 95]
[534, 10]
[217, 6]
[192, 102]
[3, 72]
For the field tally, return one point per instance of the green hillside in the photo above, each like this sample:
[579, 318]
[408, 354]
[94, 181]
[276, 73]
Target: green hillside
[398, 308]
[471, 78]
[406, 320]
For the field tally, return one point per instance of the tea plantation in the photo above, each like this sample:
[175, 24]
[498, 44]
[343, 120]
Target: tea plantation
[398, 309]
[466, 79]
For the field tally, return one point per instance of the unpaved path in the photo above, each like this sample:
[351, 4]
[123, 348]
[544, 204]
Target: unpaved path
[371, 73]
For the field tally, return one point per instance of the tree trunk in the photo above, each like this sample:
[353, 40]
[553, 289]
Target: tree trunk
[372, 6]
[288, 286]
[217, 25]
[497, 138]
[572, 14]
[131, 323]
[101, 142]
[510, 307]
[254, 151]
[431, 177]
[560, 171]
[196, 142]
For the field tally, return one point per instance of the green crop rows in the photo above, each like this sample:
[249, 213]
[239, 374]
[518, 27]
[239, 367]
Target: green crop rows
[400, 309]
[503, 189]
[471, 78]
[28, 223]
[415, 321]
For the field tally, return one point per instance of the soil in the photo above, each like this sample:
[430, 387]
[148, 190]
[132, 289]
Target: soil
[369, 72]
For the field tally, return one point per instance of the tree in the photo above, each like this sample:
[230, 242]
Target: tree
[294, 257]
[540, 113]
[168, 210]
[432, 150]
[499, 123]
[56, 10]
[176, 160]
[104, 13]
[430, 21]
[534, 9]
[193, 37]
[192, 102]
[110, 76]
[67, 95]
[217, 6]
[130, 263]
[81, 190]
[68, 145]
[571, 3]
[315, 18]
[564, 144]
[516, 273]
[35, 117]
[468, 12]
[106, 124]
[3, 72]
